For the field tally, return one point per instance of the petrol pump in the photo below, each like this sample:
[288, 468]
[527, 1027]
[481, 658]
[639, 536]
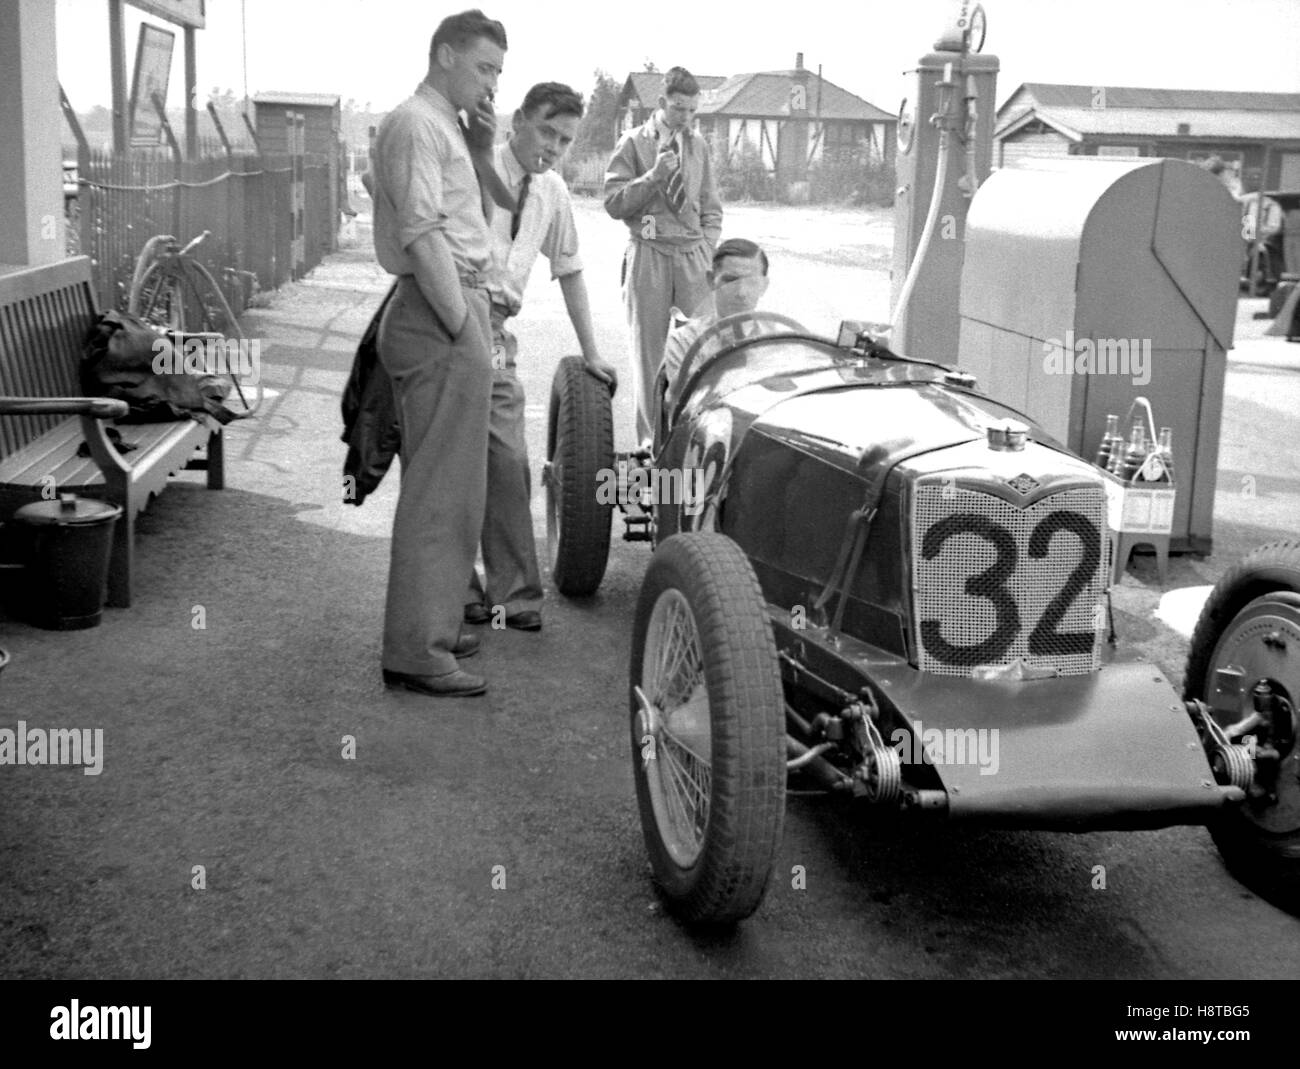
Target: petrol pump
[945, 146]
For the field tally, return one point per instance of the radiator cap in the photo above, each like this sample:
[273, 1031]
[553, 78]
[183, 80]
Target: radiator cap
[1008, 437]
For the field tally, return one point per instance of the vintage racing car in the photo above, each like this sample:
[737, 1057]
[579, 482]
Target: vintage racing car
[872, 577]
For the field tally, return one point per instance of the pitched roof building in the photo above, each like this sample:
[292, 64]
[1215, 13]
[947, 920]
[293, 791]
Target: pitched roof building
[790, 118]
[640, 95]
[1256, 135]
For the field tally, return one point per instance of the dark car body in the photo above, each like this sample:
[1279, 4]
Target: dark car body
[905, 552]
[873, 580]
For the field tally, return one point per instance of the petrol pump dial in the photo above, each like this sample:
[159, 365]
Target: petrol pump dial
[906, 127]
[975, 32]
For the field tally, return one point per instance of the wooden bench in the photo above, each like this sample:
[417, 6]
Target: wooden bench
[45, 314]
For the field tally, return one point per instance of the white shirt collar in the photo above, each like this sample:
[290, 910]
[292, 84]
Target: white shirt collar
[513, 170]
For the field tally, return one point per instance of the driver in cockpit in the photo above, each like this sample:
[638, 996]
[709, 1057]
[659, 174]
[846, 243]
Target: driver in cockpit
[737, 281]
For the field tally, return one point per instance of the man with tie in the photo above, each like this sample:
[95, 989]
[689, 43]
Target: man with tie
[435, 344]
[660, 183]
[541, 222]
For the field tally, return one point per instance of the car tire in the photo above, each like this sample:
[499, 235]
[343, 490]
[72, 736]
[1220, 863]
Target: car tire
[1252, 620]
[579, 447]
[703, 653]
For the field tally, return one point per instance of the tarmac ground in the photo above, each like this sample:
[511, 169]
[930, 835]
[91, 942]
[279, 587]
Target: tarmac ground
[266, 809]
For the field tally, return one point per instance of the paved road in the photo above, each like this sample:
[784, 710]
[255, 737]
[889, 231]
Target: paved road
[225, 744]
[945, 902]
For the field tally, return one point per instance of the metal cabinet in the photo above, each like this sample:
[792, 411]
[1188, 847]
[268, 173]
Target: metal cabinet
[1089, 282]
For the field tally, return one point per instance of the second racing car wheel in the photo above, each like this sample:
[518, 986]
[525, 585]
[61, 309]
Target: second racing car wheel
[1244, 662]
[708, 728]
[579, 446]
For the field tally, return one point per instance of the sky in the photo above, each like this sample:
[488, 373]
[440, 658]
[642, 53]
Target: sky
[376, 51]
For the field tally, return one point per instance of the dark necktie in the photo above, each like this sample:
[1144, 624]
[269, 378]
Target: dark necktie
[519, 206]
[484, 197]
[677, 183]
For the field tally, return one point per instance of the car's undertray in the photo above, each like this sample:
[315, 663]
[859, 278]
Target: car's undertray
[1112, 749]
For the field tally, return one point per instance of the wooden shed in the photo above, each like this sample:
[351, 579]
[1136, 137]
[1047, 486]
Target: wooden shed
[323, 155]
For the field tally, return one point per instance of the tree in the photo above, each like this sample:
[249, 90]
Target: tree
[224, 99]
[597, 132]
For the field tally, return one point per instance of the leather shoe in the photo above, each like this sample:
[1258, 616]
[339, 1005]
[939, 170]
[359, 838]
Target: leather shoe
[466, 645]
[528, 620]
[477, 613]
[457, 684]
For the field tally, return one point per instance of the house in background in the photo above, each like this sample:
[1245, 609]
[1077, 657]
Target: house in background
[790, 118]
[1256, 135]
[640, 96]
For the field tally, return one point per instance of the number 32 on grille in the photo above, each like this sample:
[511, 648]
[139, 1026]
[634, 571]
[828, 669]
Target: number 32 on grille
[1044, 576]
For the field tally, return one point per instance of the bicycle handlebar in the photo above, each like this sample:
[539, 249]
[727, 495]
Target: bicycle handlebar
[198, 240]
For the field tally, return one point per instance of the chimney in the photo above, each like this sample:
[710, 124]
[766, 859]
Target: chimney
[798, 61]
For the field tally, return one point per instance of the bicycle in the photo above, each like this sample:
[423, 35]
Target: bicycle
[176, 294]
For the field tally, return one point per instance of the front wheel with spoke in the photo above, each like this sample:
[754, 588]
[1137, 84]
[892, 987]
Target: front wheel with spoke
[708, 728]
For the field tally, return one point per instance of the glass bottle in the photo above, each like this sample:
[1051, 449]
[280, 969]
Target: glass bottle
[1109, 439]
[1135, 454]
[1163, 465]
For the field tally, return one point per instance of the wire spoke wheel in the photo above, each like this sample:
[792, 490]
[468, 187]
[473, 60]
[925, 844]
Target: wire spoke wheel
[1244, 660]
[175, 293]
[673, 680]
[708, 728]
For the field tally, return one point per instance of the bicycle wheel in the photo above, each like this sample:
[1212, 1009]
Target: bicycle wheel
[145, 265]
[244, 364]
[179, 295]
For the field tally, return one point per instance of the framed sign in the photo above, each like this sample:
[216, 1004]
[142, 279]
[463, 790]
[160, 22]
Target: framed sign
[178, 12]
[153, 65]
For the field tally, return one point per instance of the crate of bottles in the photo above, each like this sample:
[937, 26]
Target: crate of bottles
[1135, 508]
[1139, 474]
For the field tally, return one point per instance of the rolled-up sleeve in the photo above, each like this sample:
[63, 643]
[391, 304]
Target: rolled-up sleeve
[412, 170]
[560, 246]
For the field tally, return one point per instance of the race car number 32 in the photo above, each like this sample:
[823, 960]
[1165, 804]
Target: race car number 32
[991, 585]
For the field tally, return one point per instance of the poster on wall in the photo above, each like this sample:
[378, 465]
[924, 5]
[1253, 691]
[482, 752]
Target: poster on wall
[153, 64]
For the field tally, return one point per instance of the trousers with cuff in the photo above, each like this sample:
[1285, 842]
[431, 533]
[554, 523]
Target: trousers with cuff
[657, 277]
[512, 577]
[441, 387]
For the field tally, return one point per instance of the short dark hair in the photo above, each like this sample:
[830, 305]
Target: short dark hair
[742, 247]
[459, 30]
[680, 80]
[555, 97]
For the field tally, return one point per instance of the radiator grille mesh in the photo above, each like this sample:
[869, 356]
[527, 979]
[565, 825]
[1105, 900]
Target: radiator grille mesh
[993, 583]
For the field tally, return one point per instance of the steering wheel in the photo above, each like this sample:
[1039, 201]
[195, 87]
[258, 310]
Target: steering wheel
[729, 324]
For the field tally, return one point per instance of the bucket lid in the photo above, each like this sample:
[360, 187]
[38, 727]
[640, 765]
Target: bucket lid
[68, 510]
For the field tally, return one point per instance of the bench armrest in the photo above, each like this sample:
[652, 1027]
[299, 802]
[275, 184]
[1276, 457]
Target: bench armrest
[98, 407]
[92, 411]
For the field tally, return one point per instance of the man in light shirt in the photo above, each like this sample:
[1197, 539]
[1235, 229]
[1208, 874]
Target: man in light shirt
[737, 281]
[541, 222]
[435, 344]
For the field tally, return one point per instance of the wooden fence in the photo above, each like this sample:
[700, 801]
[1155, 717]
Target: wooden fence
[244, 199]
